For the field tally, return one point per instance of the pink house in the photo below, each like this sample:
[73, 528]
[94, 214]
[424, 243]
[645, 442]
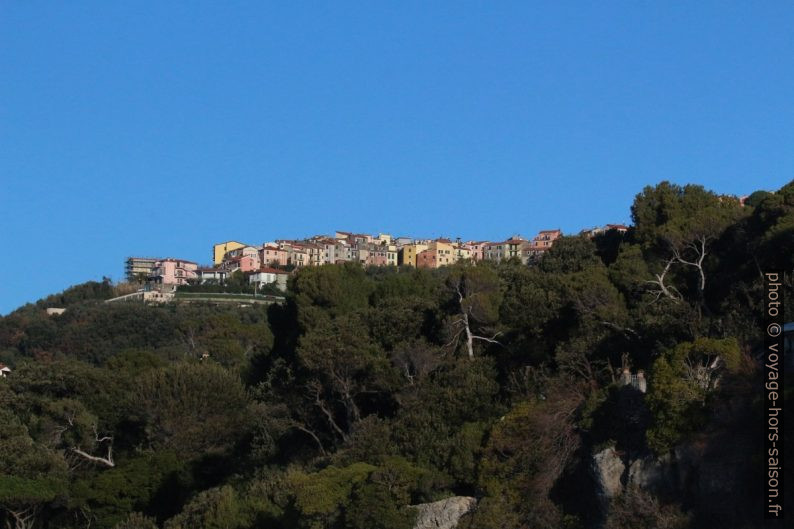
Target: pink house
[545, 238]
[273, 255]
[244, 263]
[540, 244]
[378, 257]
[173, 271]
[477, 249]
[243, 255]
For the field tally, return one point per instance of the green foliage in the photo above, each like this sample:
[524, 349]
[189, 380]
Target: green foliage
[629, 271]
[373, 507]
[31, 473]
[23, 458]
[682, 379]
[218, 508]
[130, 486]
[136, 520]
[679, 214]
[193, 409]
[570, 254]
[755, 199]
[480, 290]
[527, 451]
[320, 498]
[89, 291]
[356, 496]
[15, 490]
[333, 290]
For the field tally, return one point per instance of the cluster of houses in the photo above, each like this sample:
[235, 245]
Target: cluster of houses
[271, 262]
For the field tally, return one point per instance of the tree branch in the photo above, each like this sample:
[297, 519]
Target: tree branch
[320, 403]
[312, 435]
[107, 461]
[669, 292]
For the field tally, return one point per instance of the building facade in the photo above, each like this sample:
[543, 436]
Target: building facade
[269, 276]
[220, 250]
[439, 253]
[174, 272]
[136, 268]
[409, 252]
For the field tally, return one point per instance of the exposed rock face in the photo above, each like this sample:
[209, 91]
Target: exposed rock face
[707, 472]
[708, 475]
[608, 469]
[666, 475]
[443, 514]
[653, 475]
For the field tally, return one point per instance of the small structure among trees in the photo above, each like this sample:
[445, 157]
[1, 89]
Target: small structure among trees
[636, 380]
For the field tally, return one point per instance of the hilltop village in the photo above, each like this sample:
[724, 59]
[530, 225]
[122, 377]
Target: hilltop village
[271, 263]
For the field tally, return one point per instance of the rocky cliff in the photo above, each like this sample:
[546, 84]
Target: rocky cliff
[443, 514]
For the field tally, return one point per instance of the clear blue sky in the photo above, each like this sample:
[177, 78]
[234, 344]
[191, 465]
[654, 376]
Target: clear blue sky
[142, 128]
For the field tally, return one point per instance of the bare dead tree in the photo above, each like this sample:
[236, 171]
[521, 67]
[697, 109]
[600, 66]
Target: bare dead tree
[347, 388]
[107, 460]
[190, 338]
[311, 434]
[529, 381]
[579, 366]
[316, 390]
[24, 518]
[698, 249]
[705, 371]
[661, 288]
[87, 517]
[416, 360]
[462, 325]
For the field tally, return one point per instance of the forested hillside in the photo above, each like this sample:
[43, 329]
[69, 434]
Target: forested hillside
[371, 390]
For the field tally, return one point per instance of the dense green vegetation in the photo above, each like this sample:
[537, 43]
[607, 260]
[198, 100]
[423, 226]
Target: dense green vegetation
[370, 390]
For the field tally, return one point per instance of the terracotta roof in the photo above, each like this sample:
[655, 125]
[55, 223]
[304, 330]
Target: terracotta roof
[173, 260]
[269, 270]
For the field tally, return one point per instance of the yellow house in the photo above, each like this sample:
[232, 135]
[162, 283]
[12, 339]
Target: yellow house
[409, 252]
[439, 253]
[220, 249]
[461, 252]
[445, 254]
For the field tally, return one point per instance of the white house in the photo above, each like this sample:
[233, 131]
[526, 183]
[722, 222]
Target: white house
[268, 276]
[4, 370]
[216, 275]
